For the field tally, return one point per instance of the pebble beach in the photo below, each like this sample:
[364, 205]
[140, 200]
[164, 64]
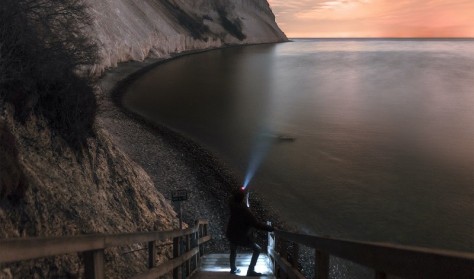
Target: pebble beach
[172, 161]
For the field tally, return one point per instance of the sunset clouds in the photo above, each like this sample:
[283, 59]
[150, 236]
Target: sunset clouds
[375, 18]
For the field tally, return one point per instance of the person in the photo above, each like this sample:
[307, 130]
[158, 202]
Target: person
[239, 232]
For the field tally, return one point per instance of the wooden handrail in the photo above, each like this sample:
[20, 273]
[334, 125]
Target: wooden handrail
[384, 258]
[93, 245]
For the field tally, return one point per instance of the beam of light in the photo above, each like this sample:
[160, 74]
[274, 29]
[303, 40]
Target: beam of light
[259, 152]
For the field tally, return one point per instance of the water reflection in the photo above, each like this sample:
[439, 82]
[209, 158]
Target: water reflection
[384, 130]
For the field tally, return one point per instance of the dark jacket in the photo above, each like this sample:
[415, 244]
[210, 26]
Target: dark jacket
[240, 223]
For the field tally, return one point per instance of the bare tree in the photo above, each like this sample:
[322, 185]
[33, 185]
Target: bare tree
[43, 45]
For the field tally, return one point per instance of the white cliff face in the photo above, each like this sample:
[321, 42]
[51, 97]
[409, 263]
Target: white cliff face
[135, 29]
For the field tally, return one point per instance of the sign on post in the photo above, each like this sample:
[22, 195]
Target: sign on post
[179, 195]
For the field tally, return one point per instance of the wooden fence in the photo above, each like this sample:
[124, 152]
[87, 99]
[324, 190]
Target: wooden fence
[383, 259]
[187, 249]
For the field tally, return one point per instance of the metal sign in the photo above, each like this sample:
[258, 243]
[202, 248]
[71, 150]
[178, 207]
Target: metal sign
[179, 195]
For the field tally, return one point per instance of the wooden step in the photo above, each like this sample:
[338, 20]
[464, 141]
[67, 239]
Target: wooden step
[218, 266]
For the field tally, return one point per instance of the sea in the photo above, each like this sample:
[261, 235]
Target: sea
[362, 139]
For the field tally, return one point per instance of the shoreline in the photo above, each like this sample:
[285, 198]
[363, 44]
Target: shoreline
[169, 158]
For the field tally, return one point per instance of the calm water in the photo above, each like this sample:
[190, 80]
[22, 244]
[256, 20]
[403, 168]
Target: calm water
[384, 130]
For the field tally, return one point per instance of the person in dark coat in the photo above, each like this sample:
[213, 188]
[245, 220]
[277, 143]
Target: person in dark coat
[239, 232]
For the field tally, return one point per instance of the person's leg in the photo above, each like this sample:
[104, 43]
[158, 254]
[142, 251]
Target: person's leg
[256, 252]
[233, 256]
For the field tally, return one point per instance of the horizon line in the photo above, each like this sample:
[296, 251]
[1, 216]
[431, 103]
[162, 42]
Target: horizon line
[394, 38]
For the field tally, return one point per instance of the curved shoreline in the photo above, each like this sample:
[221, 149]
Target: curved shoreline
[170, 159]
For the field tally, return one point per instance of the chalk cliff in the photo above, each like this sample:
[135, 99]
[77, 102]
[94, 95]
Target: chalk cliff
[48, 189]
[135, 29]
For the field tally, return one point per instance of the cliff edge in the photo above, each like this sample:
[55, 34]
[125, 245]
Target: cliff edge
[133, 30]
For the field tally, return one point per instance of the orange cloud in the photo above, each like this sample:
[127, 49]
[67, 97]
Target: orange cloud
[375, 18]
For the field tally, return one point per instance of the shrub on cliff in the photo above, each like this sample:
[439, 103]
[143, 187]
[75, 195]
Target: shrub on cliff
[44, 54]
[234, 27]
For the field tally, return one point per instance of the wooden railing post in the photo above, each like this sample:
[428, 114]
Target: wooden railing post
[199, 235]
[176, 250]
[182, 250]
[94, 264]
[151, 254]
[198, 255]
[321, 267]
[187, 265]
[195, 259]
[202, 233]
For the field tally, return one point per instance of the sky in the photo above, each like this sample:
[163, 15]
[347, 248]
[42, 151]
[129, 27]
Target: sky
[375, 18]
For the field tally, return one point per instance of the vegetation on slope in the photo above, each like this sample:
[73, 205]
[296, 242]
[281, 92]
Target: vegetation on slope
[44, 54]
[234, 27]
[193, 24]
